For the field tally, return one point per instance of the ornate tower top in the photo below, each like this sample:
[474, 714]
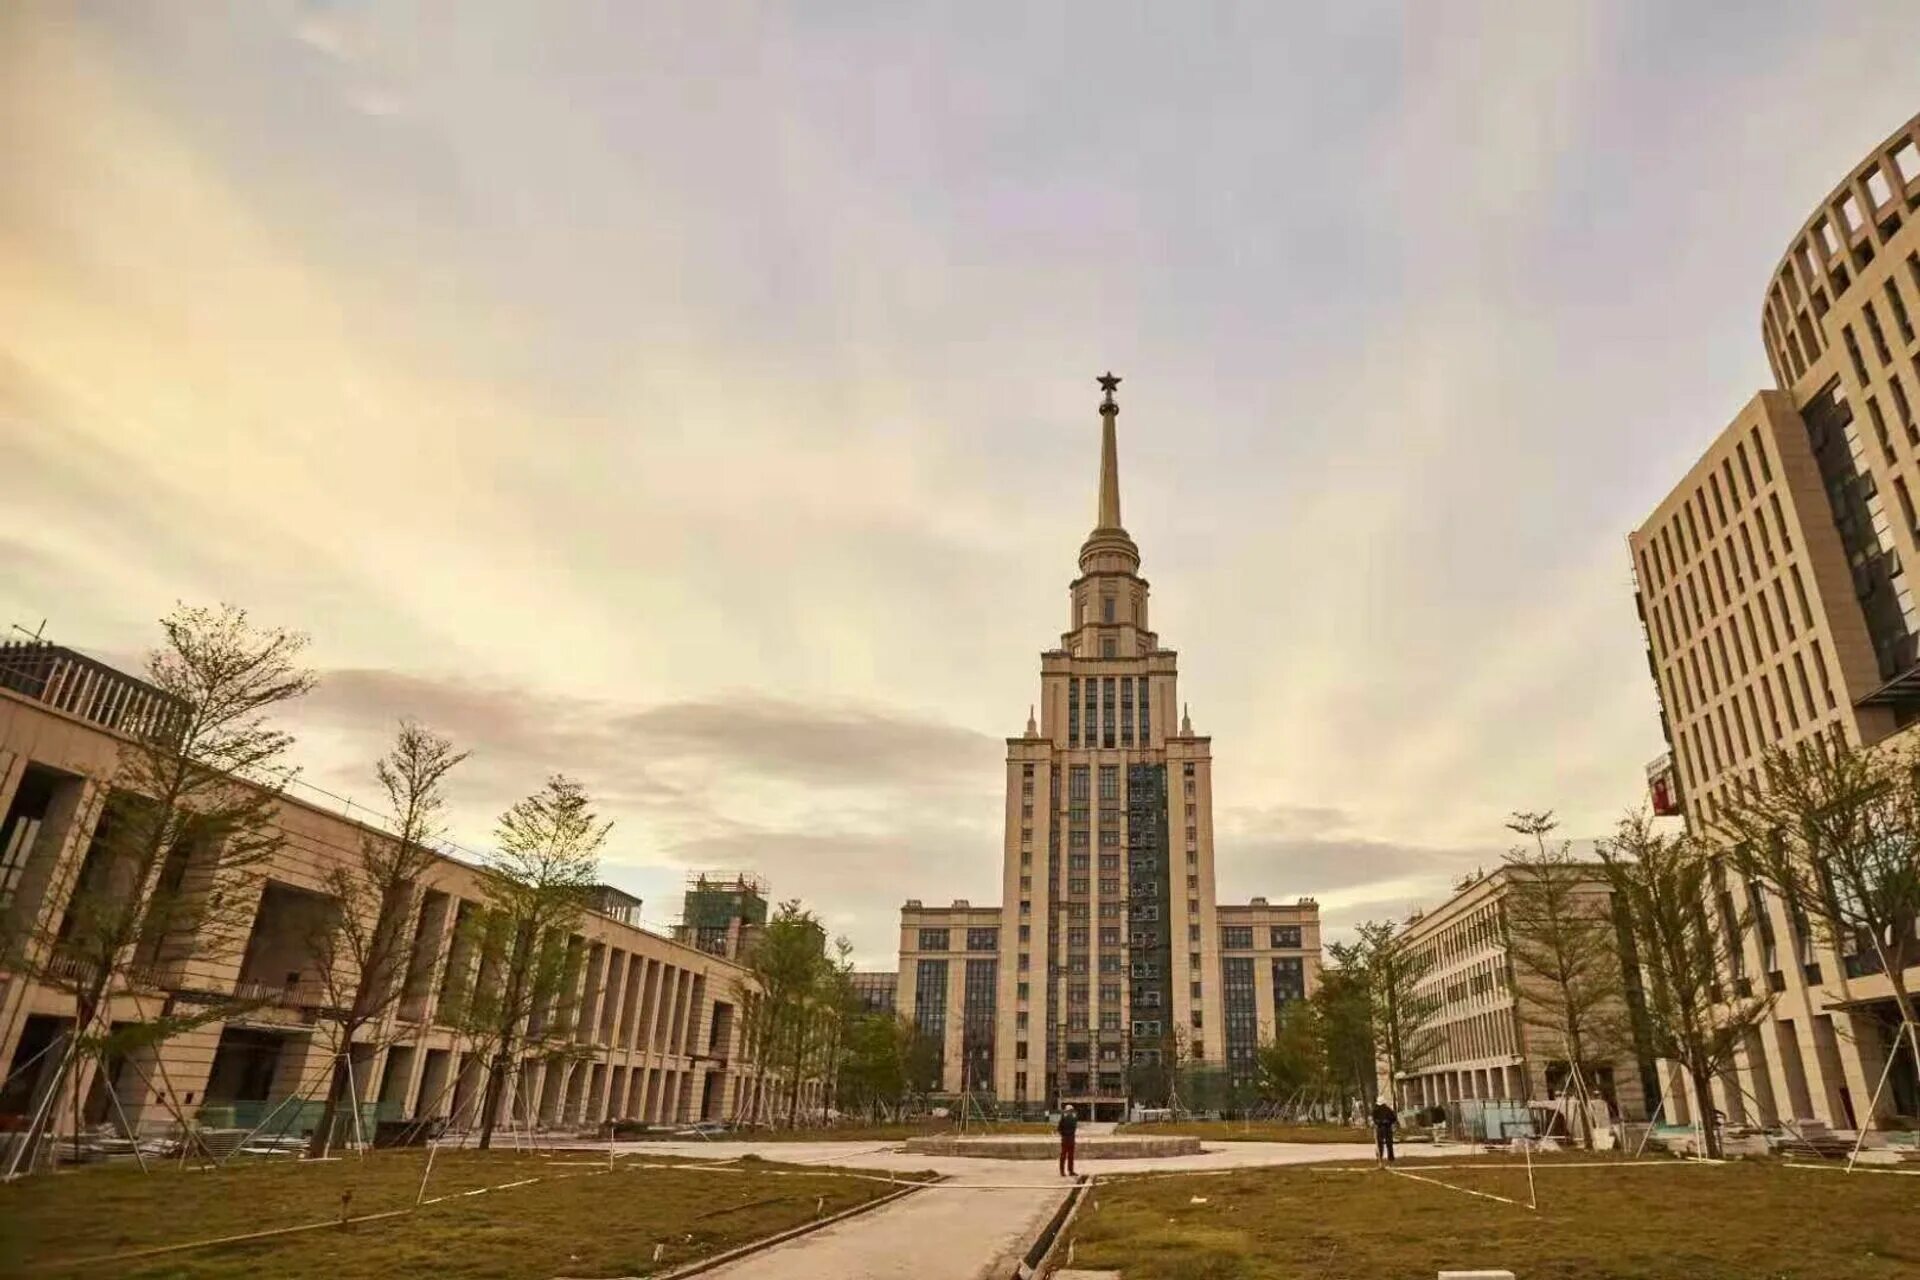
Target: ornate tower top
[1108, 548]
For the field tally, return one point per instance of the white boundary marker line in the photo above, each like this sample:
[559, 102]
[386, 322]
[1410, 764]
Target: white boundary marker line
[1832, 1168]
[1484, 1195]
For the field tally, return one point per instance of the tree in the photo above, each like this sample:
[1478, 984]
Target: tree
[873, 1073]
[1401, 1013]
[836, 1005]
[1660, 886]
[787, 970]
[1296, 1057]
[172, 875]
[537, 882]
[361, 945]
[1346, 1030]
[1562, 948]
[1835, 832]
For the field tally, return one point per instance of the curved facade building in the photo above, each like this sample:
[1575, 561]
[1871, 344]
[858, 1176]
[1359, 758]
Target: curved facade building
[1776, 587]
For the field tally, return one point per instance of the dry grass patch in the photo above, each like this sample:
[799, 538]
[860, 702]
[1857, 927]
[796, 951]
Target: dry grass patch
[1651, 1222]
[576, 1219]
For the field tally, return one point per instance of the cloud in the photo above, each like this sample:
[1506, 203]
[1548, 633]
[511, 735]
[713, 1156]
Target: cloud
[851, 807]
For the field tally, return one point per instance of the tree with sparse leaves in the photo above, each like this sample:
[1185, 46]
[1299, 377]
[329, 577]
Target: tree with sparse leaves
[1563, 950]
[537, 883]
[173, 874]
[1835, 831]
[1661, 885]
[360, 944]
[787, 998]
[1393, 975]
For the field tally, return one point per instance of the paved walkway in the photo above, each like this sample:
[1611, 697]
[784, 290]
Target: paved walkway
[974, 1225]
[971, 1227]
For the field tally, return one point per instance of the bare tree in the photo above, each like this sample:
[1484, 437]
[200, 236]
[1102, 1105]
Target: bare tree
[173, 873]
[1692, 1016]
[361, 944]
[1393, 973]
[537, 883]
[1563, 949]
[1835, 832]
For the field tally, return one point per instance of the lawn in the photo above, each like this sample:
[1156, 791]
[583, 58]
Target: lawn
[1253, 1131]
[576, 1219]
[1659, 1220]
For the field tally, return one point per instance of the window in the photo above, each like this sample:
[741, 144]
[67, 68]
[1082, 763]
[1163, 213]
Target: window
[1109, 782]
[1078, 782]
[1876, 333]
[1109, 648]
[1236, 937]
[933, 939]
[1110, 888]
[1077, 884]
[1110, 937]
[1026, 933]
[930, 999]
[1109, 993]
[1106, 608]
[983, 939]
[1289, 980]
[1899, 308]
[1285, 935]
[1853, 353]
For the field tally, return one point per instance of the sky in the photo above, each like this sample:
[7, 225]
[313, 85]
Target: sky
[698, 398]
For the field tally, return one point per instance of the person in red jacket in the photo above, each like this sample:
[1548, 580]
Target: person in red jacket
[1069, 1122]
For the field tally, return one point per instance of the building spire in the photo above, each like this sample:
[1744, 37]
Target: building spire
[1108, 549]
[1109, 456]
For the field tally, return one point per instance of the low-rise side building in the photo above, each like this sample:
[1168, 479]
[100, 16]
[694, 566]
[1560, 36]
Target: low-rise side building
[655, 1033]
[1485, 1048]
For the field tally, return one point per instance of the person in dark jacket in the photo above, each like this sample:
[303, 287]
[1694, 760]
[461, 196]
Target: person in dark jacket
[1385, 1118]
[1069, 1122]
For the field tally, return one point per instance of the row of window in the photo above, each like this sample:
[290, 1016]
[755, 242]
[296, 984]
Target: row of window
[1677, 544]
[1819, 262]
[985, 938]
[1108, 711]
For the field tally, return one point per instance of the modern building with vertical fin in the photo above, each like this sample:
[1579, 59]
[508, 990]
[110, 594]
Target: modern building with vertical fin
[1108, 958]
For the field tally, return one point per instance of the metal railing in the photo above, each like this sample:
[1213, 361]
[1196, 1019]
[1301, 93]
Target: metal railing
[76, 684]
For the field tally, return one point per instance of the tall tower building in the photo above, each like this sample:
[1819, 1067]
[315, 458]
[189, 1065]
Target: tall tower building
[1103, 966]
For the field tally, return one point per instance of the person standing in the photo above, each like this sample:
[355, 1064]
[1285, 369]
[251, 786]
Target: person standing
[1385, 1118]
[1069, 1123]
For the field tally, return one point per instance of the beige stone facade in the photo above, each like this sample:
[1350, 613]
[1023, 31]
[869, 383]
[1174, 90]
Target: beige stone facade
[655, 1027]
[1773, 591]
[1487, 1049]
[1109, 941]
